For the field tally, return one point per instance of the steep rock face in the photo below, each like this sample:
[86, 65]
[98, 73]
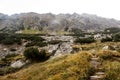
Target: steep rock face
[64, 22]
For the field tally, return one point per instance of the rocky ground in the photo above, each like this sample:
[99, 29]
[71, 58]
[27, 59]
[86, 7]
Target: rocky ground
[10, 49]
[11, 55]
[15, 58]
[64, 47]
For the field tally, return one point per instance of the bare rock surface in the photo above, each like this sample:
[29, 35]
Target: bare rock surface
[18, 64]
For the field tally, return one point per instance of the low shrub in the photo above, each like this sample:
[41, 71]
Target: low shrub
[8, 41]
[107, 39]
[84, 40]
[54, 42]
[33, 54]
[30, 44]
[40, 44]
[31, 37]
[10, 58]
[116, 37]
[11, 55]
[6, 70]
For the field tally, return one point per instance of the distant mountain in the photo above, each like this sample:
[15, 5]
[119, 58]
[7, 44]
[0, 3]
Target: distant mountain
[48, 21]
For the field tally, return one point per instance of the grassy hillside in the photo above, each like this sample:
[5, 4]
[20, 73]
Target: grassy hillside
[68, 67]
[111, 64]
[112, 70]
[74, 66]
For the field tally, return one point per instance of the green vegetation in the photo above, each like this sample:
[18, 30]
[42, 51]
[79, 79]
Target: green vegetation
[54, 42]
[7, 70]
[116, 37]
[77, 32]
[85, 40]
[107, 39]
[112, 30]
[11, 57]
[9, 39]
[40, 44]
[33, 54]
[31, 37]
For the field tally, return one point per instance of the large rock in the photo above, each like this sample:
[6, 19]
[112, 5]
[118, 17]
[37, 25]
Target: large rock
[105, 48]
[65, 48]
[108, 48]
[18, 64]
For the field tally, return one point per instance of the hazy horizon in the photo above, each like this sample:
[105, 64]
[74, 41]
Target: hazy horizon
[102, 8]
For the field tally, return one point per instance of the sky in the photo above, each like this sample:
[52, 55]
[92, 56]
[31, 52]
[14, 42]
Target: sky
[103, 8]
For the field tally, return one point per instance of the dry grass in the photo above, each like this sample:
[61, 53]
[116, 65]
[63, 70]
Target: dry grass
[108, 54]
[69, 67]
[98, 46]
[112, 69]
[30, 31]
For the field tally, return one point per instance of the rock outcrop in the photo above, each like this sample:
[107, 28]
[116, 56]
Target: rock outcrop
[18, 64]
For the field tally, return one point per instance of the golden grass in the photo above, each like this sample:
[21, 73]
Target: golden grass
[111, 62]
[63, 32]
[30, 31]
[112, 69]
[108, 54]
[69, 67]
[98, 45]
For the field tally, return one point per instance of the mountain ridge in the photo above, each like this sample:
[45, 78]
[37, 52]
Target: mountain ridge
[55, 22]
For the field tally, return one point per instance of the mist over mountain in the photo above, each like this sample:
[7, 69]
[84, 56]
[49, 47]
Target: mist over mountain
[60, 22]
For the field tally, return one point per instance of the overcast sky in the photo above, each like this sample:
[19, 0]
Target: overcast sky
[104, 8]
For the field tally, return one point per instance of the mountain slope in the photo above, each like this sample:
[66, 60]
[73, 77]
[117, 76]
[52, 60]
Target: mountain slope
[67, 67]
[63, 22]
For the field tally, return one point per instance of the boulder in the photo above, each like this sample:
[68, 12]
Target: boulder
[18, 64]
[105, 48]
[108, 48]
